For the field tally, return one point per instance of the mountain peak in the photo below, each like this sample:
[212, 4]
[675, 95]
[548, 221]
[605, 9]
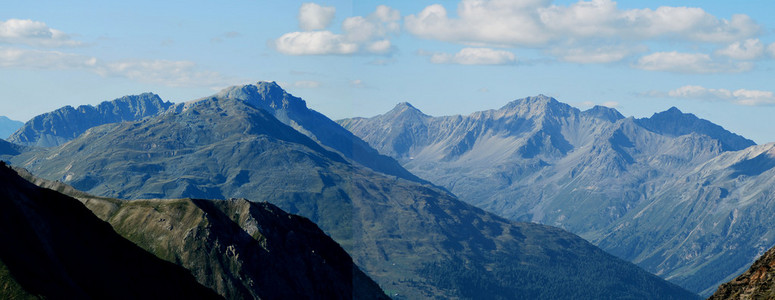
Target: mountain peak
[537, 106]
[404, 105]
[404, 108]
[604, 112]
[263, 94]
[676, 123]
[674, 111]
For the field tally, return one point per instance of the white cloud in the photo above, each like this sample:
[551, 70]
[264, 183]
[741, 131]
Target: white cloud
[480, 23]
[314, 43]
[536, 23]
[171, 73]
[474, 56]
[740, 96]
[34, 33]
[601, 54]
[361, 35]
[38, 59]
[747, 50]
[771, 49]
[307, 84]
[688, 63]
[315, 17]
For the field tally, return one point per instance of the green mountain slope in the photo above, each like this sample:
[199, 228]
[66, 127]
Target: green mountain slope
[415, 240]
[53, 247]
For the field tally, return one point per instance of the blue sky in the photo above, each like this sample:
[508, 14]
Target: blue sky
[360, 58]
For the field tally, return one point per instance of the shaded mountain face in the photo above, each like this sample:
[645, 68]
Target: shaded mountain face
[758, 282]
[240, 249]
[8, 149]
[590, 172]
[64, 124]
[293, 112]
[54, 247]
[415, 240]
[8, 126]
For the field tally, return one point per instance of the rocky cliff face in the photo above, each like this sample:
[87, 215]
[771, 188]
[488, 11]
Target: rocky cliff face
[758, 282]
[415, 240]
[592, 172]
[64, 124]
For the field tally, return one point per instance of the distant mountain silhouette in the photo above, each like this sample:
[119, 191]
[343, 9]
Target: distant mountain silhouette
[8, 126]
[594, 173]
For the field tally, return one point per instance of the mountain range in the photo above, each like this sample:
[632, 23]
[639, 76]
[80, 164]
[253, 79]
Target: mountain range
[64, 124]
[676, 194]
[416, 240]
[8, 126]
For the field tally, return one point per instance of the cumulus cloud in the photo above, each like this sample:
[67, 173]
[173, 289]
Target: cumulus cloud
[33, 33]
[361, 35]
[171, 73]
[697, 63]
[314, 43]
[771, 49]
[740, 96]
[474, 56]
[747, 50]
[536, 23]
[315, 17]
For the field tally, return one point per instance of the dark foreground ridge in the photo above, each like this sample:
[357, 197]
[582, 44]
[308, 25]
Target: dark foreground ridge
[55, 248]
[239, 249]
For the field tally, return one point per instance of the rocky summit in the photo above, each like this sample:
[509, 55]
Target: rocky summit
[631, 186]
[414, 239]
[64, 124]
